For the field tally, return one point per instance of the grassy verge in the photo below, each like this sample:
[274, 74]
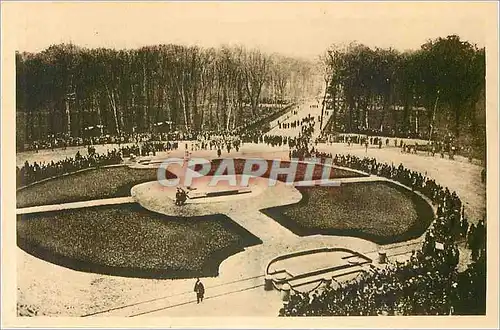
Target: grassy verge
[127, 240]
[113, 182]
[381, 212]
[300, 174]
[96, 183]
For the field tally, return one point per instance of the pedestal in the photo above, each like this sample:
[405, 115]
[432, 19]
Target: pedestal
[382, 257]
[285, 292]
[268, 283]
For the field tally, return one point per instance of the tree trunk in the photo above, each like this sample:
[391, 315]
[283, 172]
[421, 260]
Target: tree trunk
[335, 109]
[457, 121]
[120, 117]
[323, 106]
[132, 116]
[187, 116]
[229, 111]
[115, 112]
[68, 117]
[144, 91]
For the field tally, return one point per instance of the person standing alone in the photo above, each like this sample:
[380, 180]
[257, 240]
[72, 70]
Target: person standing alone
[200, 291]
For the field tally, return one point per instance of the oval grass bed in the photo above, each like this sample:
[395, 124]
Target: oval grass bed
[127, 240]
[382, 212]
[92, 184]
[117, 181]
[300, 174]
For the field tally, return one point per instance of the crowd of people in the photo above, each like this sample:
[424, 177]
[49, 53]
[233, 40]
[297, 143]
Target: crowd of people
[296, 123]
[29, 173]
[95, 136]
[55, 141]
[407, 134]
[263, 117]
[299, 141]
[445, 147]
[428, 283]
[217, 140]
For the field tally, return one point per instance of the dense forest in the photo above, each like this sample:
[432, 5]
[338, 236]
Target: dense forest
[434, 92]
[381, 90]
[66, 89]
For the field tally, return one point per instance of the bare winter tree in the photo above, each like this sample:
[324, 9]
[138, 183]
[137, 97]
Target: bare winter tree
[66, 88]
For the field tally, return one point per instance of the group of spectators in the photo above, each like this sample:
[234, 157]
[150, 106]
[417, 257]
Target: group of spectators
[428, 283]
[152, 147]
[257, 134]
[407, 134]
[431, 148]
[419, 286]
[217, 140]
[142, 149]
[29, 173]
[296, 123]
[263, 118]
[301, 141]
[63, 141]
[55, 141]
[362, 140]
[366, 140]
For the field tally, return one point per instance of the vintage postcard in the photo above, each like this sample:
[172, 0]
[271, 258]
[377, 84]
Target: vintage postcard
[250, 164]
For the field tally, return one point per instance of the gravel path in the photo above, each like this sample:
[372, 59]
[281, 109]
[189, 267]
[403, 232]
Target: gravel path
[75, 205]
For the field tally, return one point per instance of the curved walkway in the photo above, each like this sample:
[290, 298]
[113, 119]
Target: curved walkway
[75, 205]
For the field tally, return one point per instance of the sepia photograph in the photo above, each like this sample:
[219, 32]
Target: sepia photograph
[310, 164]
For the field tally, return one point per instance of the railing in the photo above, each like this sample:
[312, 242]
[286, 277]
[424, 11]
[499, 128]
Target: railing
[306, 252]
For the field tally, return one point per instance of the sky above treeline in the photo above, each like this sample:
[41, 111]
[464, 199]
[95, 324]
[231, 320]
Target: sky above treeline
[295, 28]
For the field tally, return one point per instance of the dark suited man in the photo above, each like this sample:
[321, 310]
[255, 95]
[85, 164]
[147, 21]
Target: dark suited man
[200, 291]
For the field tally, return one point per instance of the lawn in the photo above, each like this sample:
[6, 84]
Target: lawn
[127, 240]
[113, 182]
[86, 185]
[381, 212]
[335, 173]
